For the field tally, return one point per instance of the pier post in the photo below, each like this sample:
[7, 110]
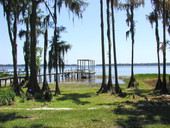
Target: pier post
[10, 81]
[54, 78]
[39, 72]
[5, 82]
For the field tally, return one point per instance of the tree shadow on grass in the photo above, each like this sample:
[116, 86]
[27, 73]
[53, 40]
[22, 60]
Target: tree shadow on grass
[36, 126]
[76, 98]
[4, 117]
[108, 104]
[139, 92]
[143, 114]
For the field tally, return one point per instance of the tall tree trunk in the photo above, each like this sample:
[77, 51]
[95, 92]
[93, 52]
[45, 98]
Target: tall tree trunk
[27, 51]
[15, 82]
[45, 83]
[132, 79]
[164, 89]
[117, 88]
[109, 85]
[33, 84]
[13, 40]
[103, 88]
[57, 90]
[14, 52]
[159, 82]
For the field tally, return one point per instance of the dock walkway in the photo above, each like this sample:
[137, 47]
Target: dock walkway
[65, 75]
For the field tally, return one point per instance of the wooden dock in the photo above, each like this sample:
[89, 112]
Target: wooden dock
[85, 70]
[61, 76]
[6, 79]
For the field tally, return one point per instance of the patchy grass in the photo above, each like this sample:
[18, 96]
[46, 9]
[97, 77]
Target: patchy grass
[138, 108]
[5, 75]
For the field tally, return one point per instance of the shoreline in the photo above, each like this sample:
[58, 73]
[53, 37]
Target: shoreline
[120, 64]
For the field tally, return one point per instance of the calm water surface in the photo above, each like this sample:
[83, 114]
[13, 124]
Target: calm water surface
[125, 70]
[122, 71]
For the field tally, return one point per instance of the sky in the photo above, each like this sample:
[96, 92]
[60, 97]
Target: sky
[84, 36]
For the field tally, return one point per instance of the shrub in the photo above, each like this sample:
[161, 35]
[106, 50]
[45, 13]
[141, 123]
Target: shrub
[38, 96]
[23, 98]
[7, 96]
[48, 95]
[4, 75]
[29, 96]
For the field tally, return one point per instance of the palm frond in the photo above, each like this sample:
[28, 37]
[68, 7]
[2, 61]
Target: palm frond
[127, 34]
[22, 33]
[151, 17]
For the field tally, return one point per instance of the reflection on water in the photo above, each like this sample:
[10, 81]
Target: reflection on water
[91, 80]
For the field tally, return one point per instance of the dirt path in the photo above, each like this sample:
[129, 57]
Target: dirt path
[44, 108]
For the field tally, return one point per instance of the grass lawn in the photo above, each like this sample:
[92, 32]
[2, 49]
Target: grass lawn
[139, 108]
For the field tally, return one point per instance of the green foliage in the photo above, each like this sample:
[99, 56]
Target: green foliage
[7, 96]
[137, 109]
[23, 98]
[48, 95]
[29, 96]
[143, 76]
[58, 50]
[38, 96]
[38, 56]
[149, 76]
[4, 75]
[45, 96]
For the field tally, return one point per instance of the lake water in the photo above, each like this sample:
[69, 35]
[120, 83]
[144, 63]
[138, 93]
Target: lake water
[122, 71]
[125, 70]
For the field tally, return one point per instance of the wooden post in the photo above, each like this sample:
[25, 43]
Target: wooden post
[54, 78]
[89, 66]
[58, 77]
[10, 81]
[39, 76]
[93, 65]
[77, 68]
[5, 82]
[20, 80]
[50, 78]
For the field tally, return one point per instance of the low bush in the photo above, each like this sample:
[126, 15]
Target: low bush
[7, 96]
[38, 96]
[48, 95]
[4, 75]
[23, 98]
